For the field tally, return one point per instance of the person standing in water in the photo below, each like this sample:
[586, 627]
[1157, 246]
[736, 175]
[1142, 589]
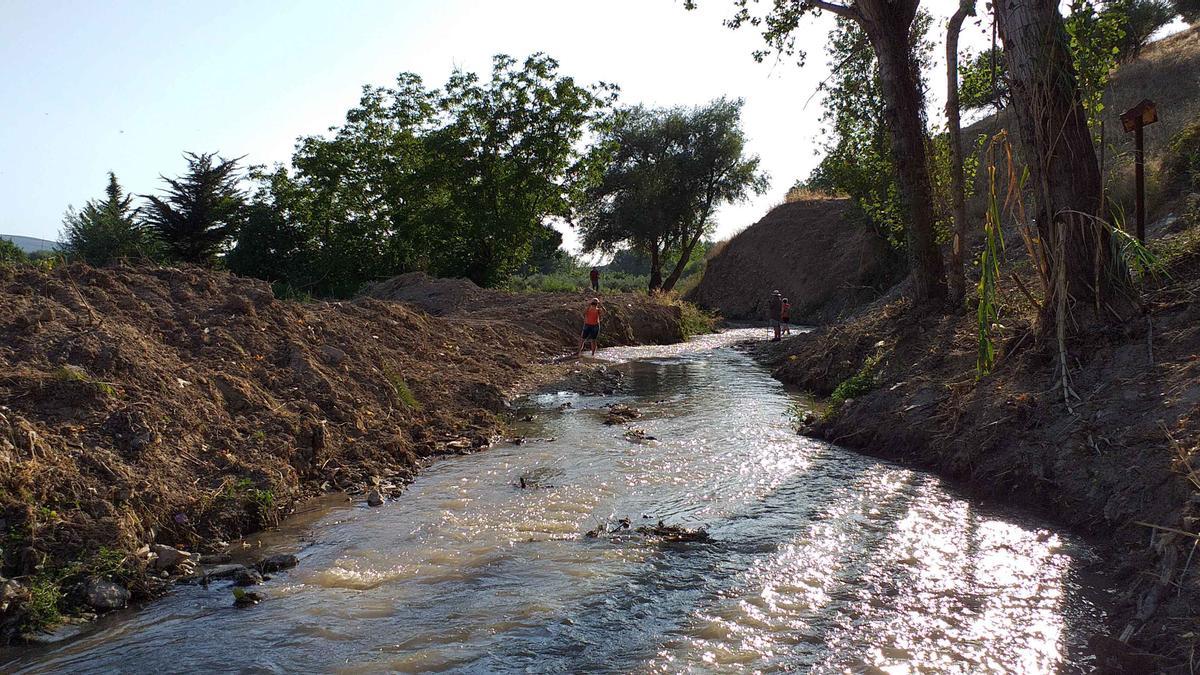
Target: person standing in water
[785, 317]
[595, 276]
[591, 326]
[776, 313]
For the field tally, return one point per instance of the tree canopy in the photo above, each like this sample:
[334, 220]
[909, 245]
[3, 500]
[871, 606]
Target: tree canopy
[671, 169]
[200, 210]
[460, 181]
[107, 230]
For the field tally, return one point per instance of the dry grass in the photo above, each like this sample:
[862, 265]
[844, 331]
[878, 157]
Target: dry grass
[806, 194]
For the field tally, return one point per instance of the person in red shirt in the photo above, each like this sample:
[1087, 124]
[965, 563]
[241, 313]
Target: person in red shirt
[595, 277]
[591, 326]
[785, 316]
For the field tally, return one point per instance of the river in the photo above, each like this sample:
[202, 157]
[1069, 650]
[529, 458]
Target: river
[818, 559]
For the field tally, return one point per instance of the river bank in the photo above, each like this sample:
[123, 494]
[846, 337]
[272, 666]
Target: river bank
[801, 556]
[1119, 461]
[143, 408]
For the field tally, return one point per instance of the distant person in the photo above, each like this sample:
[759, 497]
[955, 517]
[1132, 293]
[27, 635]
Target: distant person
[785, 316]
[591, 326]
[776, 314]
[595, 275]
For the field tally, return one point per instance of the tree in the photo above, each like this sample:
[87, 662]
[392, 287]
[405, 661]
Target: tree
[508, 158]
[1188, 9]
[858, 153]
[10, 252]
[671, 170]
[462, 181]
[887, 24]
[1140, 20]
[984, 81]
[957, 275]
[107, 230]
[200, 211]
[1055, 144]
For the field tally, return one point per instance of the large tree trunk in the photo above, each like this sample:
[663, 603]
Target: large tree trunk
[887, 24]
[655, 269]
[1055, 143]
[956, 274]
[685, 255]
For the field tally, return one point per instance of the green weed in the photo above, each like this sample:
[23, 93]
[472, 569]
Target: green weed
[403, 392]
[858, 384]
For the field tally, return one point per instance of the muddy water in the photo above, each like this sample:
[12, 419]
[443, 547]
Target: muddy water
[820, 559]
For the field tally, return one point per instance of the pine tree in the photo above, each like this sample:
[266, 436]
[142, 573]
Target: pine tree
[200, 211]
[107, 230]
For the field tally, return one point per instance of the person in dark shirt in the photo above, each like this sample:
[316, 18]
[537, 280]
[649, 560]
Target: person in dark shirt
[776, 314]
[595, 276]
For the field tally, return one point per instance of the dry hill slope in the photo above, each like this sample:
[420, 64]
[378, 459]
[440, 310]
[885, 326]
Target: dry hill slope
[814, 251]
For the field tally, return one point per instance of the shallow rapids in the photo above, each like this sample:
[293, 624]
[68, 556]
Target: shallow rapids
[818, 559]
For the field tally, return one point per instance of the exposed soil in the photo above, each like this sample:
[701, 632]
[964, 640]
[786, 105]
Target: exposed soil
[1120, 462]
[187, 407]
[629, 318]
[815, 252]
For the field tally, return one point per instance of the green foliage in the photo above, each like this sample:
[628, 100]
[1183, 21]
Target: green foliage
[1181, 164]
[1096, 36]
[460, 181]
[983, 80]
[1140, 20]
[70, 374]
[858, 384]
[10, 253]
[695, 321]
[108, 230]
[858, 160]
[403, 392]
[670, 170]
[201, 209]
[42, 610]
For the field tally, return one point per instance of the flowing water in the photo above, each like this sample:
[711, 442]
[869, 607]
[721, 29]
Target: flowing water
[819, 559]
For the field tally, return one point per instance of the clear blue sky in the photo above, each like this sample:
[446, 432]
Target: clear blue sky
[127, 86]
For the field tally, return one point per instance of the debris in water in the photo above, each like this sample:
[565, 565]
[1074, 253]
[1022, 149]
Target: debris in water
[619, 413]
[639, 436]
[675, 532]
[244, 598]
[537, 478]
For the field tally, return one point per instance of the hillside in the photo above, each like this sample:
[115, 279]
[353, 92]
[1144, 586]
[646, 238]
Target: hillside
[823, 260]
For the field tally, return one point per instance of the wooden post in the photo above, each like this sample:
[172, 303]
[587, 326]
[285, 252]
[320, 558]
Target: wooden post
[1135, 119]
[1139, 176]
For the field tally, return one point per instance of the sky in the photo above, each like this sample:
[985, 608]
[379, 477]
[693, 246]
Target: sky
[91, 86]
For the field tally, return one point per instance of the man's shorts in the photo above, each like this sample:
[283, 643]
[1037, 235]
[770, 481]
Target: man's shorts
[591, 332]
[774, 323]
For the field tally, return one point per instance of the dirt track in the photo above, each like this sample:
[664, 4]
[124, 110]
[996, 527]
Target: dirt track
[186, 407]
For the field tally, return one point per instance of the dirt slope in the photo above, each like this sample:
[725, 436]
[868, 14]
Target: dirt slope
[184, 406]
[630, 318]
[812, 251]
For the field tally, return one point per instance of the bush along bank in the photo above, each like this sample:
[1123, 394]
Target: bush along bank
[147, 416]
[1120, 461]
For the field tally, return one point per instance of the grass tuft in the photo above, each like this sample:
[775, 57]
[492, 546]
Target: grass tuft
[403, 392]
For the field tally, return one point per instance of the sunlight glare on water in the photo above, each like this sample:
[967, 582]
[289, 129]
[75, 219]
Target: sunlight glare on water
[819, 559]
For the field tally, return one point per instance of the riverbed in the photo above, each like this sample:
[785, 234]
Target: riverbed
[816, 559]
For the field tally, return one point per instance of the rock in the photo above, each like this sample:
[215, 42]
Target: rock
[247, 577]
[275, 563]
[333, 355]
[243, 598]
[168, 557]
[225, 571]
[216, 559]
[105, 595]
[12, 592]
[374, 498]
[620, 414]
